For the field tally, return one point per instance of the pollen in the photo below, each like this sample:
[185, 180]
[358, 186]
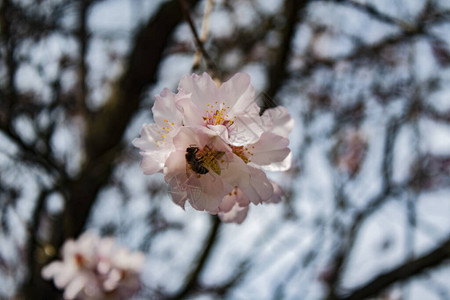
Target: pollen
[241, 153]
[216, 114]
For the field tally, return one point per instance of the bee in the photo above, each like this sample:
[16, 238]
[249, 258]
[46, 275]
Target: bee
[194, 162]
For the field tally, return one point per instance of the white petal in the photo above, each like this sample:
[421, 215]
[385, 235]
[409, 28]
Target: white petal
[278, 121]
[269, 149]
[150, 138]
[234, 171]
[51, 270]
[175, 175]
[153, 162]
[175, 165]
[220, 130]
[237, 93]
[235, 197]
[206, 192]
[260, 188]
[192, 115]
[65, 276]
[165, 111]
[192, 136]
[277, 195]
[236, 215]
[75, 287]
[202, 89]
[246, 129]
[281, 166]
[227, 203]
[178, 192]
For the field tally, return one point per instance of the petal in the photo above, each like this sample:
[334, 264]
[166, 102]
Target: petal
[165, 111]
[280, 166]
[238, 93]
[175, 176]
[153, 162]
[269, 149]
[245, 130]
[235, 197]
[277, 195]
[179, 195]
[69, 248]
[227, 202]
[220, 130]
[236, 215]
[260, 188]
[75, 287]
[65, 275]
[202, 89]
[52, 270]
[278, 121]
[175, 165]
[192, 115]
[192, 136]
[234, 171]
[206, 192]
[151, 138]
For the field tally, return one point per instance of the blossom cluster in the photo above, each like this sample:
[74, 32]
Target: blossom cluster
[94, 268]
[212, 145]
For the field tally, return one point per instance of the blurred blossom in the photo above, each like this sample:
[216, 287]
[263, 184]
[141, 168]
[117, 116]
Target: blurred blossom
[212, 145]
[350, 151]
[95, 268]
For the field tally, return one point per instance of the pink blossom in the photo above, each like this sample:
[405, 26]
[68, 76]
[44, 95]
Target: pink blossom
[232, 105]
[94, 268]
[156, 139]
[217, 145]
[204, 188]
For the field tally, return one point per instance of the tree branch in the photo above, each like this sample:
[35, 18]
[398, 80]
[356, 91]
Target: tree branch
[401, 273]
[277, 70]
[192, 279]
[209, 62]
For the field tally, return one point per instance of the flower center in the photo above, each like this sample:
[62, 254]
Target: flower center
[216, 114]
[79, 260]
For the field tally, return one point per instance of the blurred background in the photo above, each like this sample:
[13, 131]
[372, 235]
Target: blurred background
[366, 210]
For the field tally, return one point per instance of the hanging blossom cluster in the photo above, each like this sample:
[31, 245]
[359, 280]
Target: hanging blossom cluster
[95, 268]
[212, 145]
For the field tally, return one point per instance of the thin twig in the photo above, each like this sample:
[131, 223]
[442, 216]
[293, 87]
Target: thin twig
[209, 63]
[204, 33]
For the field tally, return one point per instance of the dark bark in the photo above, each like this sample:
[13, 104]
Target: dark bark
[104, 133]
